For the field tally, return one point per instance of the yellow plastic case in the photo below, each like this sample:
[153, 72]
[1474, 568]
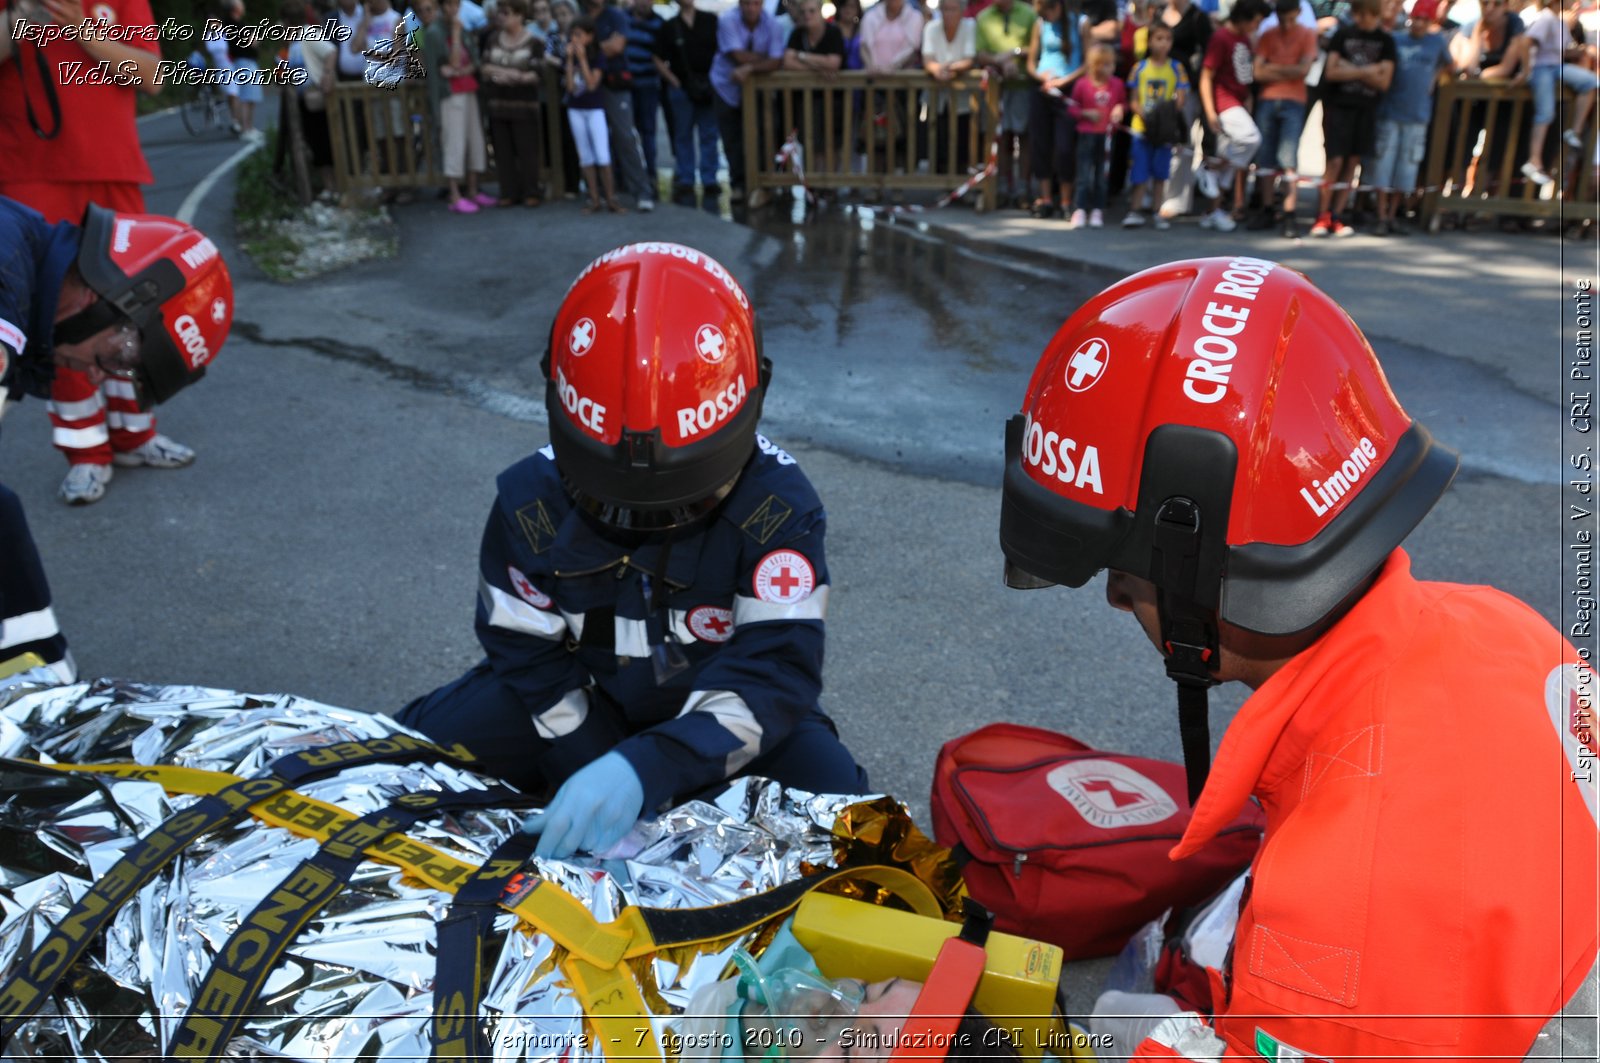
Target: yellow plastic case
[852, 939]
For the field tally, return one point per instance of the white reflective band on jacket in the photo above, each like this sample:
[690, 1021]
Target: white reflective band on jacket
[813, 606]
[565, 716]
[512, 613]
[729, 710]
[28, 627]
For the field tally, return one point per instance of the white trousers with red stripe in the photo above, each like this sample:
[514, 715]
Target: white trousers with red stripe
[90, 422]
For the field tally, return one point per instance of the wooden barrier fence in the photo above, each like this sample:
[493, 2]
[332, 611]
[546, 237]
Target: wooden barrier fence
[906, 131]
[870, 131]
[389, 138]
[1477, 147]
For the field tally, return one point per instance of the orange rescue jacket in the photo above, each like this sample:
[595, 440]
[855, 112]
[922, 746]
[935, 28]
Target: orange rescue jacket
[1427, 883]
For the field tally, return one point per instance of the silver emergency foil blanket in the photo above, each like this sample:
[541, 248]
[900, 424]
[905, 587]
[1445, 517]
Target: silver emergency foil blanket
[357, 984]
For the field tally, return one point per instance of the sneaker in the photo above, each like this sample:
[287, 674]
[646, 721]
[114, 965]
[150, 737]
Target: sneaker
[1078, 220]
[1205, 182]
[1222, 221]
[237, 130]
[1161, 224]
[1399, 228]
[1097, 220]
[1536, 175]
[1290, 229]
[157, 452]
[463, 205]
[646, 205]
[1323, 225]
[1133, 220]
[85, 484]
[1382, 228]
[1572, 140]
[253, 136]
[1341, 230]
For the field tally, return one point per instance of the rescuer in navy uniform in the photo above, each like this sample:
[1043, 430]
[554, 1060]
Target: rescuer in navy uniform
[652, 585]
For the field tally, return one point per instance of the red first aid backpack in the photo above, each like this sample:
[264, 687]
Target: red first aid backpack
[1068, 844]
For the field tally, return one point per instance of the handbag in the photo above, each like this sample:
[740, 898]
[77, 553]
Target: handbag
[1068, 844]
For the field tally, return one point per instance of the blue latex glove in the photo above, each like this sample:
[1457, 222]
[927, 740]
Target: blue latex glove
[591, 811]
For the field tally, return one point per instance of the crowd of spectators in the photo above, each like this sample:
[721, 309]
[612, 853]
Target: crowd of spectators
[1184, 106]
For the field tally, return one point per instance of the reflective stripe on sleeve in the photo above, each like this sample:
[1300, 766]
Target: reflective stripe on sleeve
[80, 438]
[513, 614]
[729, 710]
[755, 611]
[28, 627]
[564, 717]
[13, 337]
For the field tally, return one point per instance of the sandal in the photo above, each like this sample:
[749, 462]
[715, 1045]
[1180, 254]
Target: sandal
[591, 208]
[532, 201]
[1042, 208]
[616, 208]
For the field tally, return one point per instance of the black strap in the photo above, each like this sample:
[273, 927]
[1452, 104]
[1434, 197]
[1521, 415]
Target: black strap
[46, 79]
[251, 953]
[1189, 637]
[1195, 732]
[667, 658]
[468, 949]
[36, 978]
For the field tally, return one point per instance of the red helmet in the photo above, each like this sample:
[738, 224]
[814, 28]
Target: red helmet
[166, 277]
[1221, 428]
[654, 385]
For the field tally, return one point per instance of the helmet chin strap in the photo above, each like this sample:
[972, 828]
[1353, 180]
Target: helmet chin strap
[1188, 630]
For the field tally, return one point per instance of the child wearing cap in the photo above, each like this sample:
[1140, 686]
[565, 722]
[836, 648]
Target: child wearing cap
[1403, 114]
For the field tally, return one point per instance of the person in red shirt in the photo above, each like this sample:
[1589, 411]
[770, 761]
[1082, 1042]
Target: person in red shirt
[1225, 79]
[1217, 434]
[65, 142]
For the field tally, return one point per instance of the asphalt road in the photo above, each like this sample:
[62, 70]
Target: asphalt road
[324, 543]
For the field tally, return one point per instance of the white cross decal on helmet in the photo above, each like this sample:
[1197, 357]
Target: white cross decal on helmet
[1087, 364]
[582, 337]
[710, 343]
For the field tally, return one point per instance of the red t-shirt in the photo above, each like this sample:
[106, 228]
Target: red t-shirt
[98, 140]
[1229, 59]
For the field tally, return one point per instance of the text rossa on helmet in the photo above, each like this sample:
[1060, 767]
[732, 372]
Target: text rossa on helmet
[165, 277]
[1221, 428]
[654, 383]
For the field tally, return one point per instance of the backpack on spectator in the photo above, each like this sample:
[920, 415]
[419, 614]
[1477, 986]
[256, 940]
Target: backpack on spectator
[1068, 844]
[1163, 120]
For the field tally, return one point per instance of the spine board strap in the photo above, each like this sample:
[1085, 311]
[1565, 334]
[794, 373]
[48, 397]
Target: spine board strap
[252, 952]
[31, 983]
[469, 947]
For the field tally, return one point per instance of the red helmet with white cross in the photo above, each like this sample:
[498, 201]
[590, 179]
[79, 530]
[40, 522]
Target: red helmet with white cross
[165, 277]
[1221, 428]
[655, 380]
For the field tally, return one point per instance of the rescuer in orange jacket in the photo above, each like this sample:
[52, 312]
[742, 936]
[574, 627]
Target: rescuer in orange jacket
[1218, 435]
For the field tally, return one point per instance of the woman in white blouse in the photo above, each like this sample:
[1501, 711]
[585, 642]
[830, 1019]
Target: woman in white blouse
[950, 49]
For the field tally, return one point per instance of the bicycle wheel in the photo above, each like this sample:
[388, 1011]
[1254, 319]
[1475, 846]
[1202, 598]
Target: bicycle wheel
[197, 110]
